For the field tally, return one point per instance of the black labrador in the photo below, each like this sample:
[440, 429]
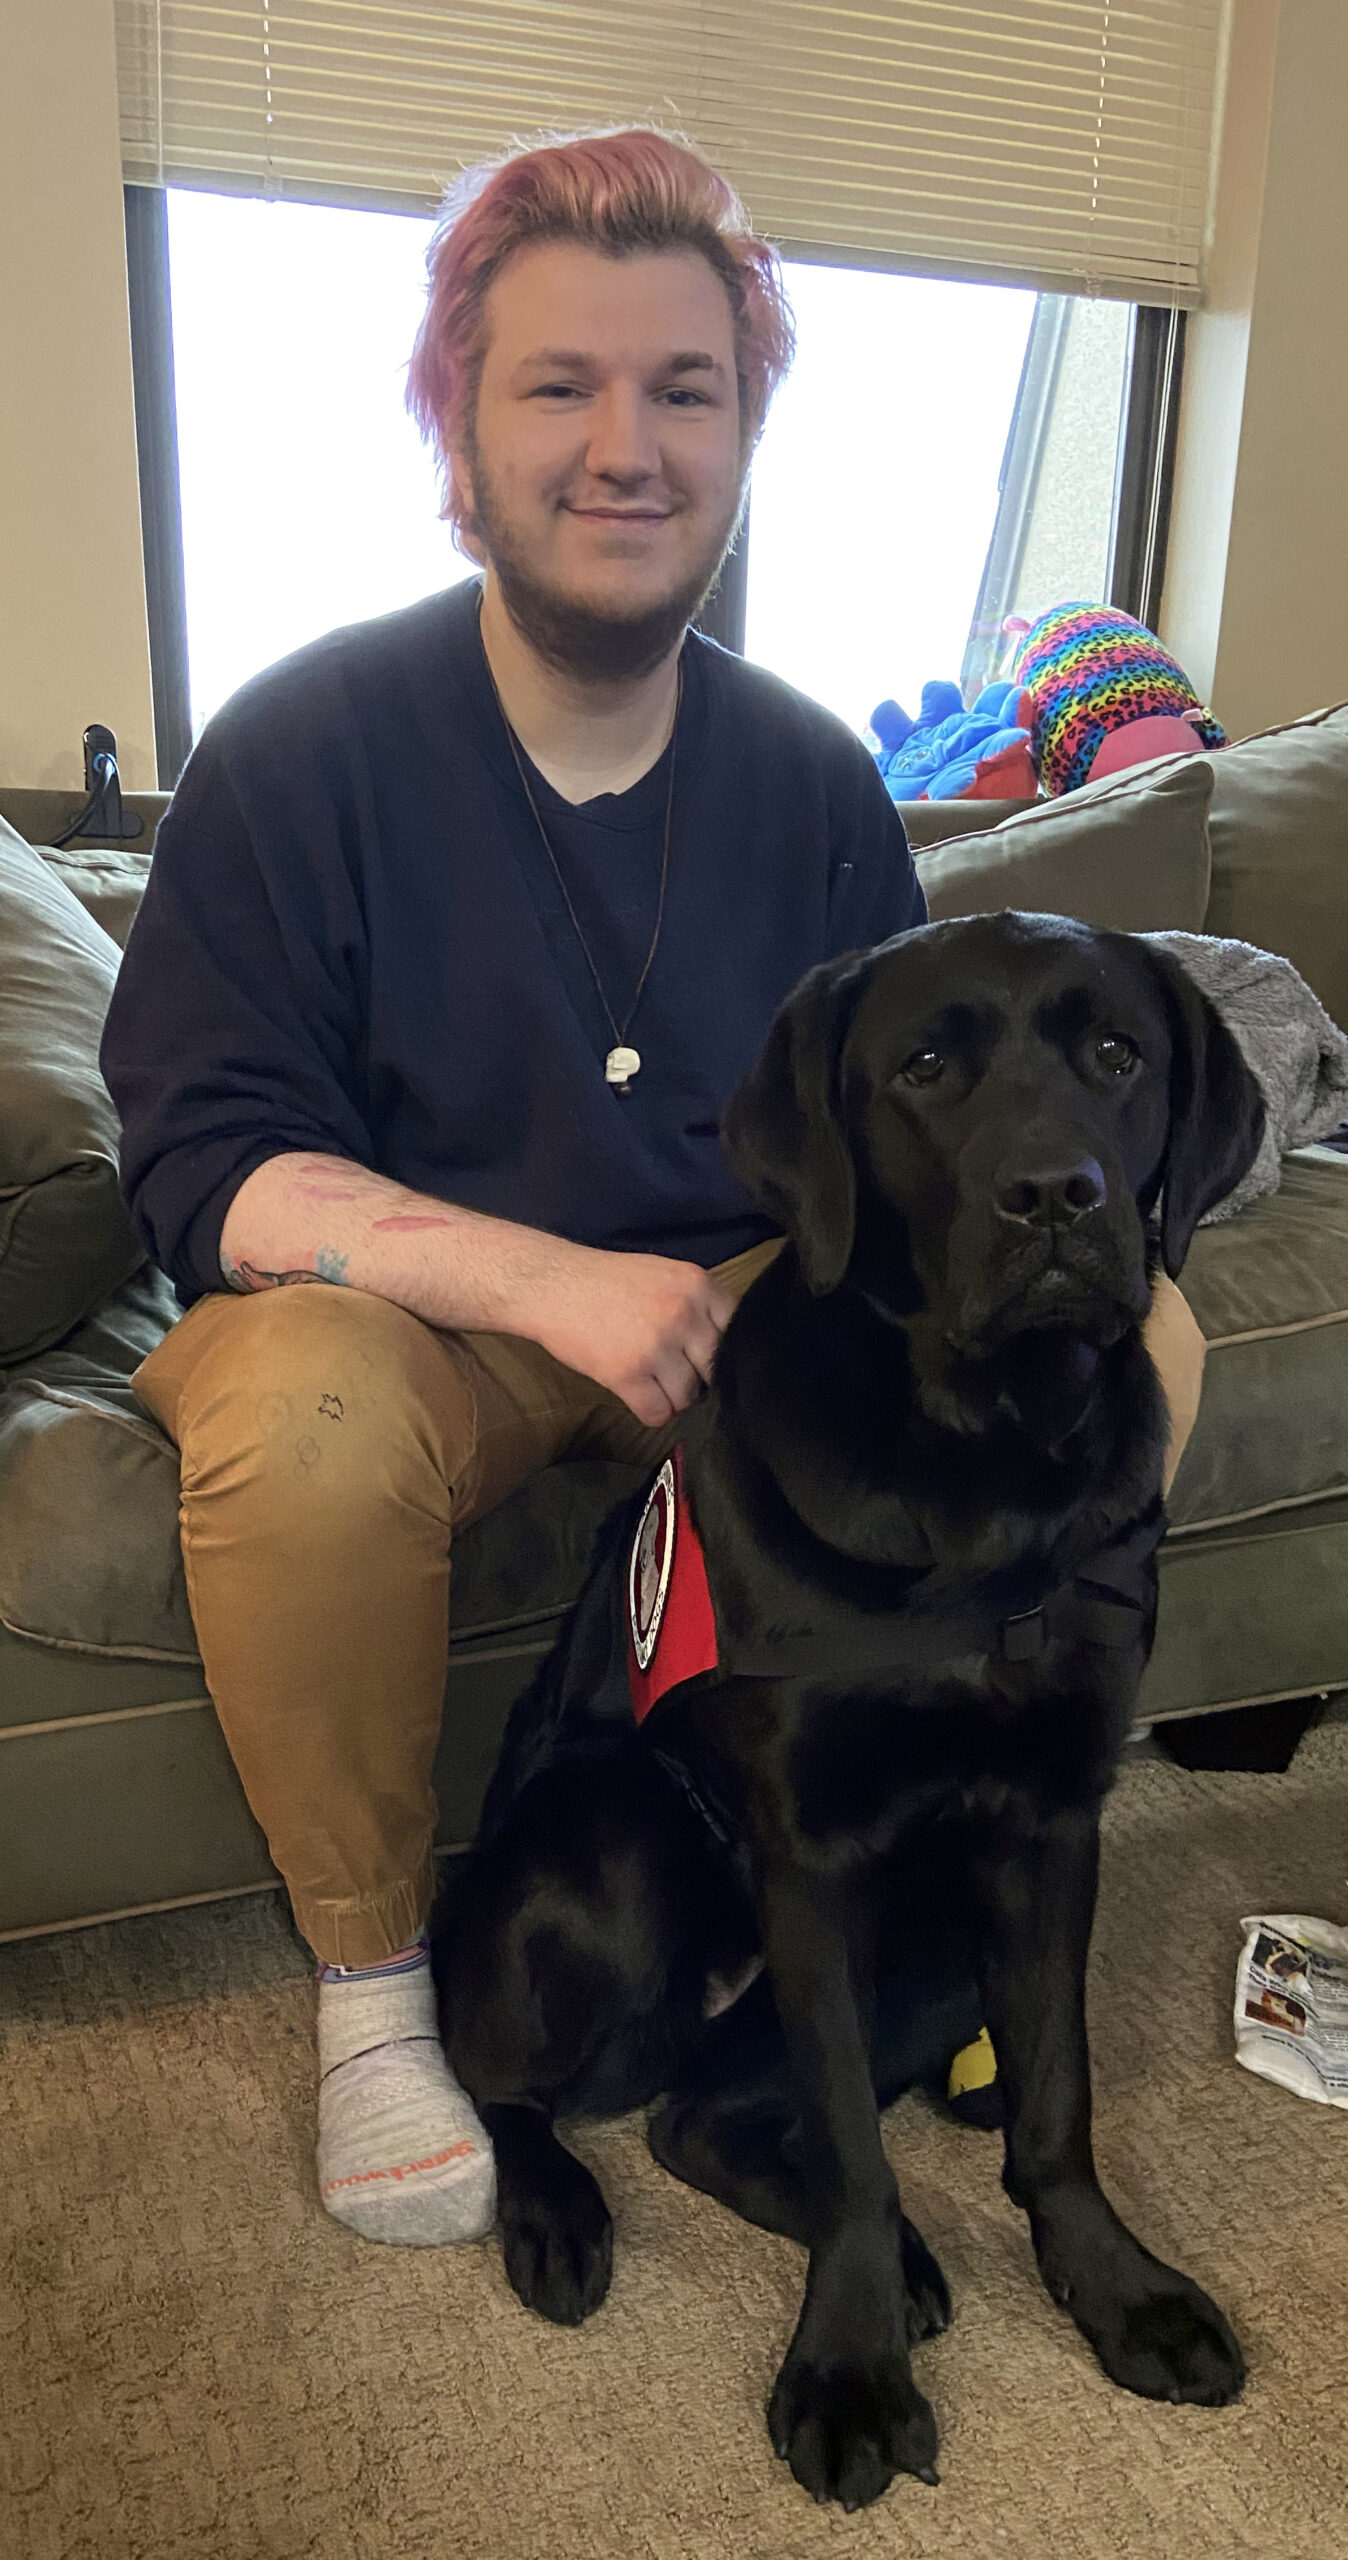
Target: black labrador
[925, 1496]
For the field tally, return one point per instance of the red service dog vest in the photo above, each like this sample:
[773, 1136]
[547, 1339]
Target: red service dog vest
[671, 1624]
[671, 1628]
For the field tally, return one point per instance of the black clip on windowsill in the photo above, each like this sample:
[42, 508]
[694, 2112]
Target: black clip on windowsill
[102, 816]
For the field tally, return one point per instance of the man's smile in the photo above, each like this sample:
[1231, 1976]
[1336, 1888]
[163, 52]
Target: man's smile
[619, 515]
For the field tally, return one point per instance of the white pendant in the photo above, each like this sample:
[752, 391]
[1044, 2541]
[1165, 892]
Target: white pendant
[620, 1065]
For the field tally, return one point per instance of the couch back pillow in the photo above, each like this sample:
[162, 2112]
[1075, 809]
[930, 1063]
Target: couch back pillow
[1279, 833]
[65, 1238]
[1128, 855]
[110, 885]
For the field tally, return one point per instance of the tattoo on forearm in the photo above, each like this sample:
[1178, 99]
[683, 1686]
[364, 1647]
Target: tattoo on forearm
[245, 1277]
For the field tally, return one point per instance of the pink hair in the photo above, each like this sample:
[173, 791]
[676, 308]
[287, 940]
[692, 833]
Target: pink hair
[622, 193]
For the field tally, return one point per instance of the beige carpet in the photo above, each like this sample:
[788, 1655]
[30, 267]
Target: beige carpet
[194, 2361]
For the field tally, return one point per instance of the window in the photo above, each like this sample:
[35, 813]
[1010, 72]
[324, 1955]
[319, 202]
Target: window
[308, 498]
[943, 459]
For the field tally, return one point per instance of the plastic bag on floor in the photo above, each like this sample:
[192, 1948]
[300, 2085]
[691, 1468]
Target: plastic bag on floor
[1292, 2005]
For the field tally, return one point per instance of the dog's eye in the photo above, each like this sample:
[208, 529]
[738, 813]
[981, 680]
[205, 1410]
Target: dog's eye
[1117, 1055]
[924, 1066]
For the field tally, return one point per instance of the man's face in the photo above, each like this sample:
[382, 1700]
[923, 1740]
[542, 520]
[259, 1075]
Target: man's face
[603, 468]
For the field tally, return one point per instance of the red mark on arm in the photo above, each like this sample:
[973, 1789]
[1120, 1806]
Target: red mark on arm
[407, 1223]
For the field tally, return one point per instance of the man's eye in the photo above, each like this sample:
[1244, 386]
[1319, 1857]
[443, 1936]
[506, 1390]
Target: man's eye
[924, 1066]
[1117, 1055]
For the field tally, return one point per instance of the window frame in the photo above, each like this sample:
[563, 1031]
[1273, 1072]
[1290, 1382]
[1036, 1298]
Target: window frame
[150, 299]
[1142, 499]
[1146, 478]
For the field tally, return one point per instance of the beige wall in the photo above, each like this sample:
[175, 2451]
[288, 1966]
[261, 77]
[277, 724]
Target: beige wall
[73, 644]
[1256, 601]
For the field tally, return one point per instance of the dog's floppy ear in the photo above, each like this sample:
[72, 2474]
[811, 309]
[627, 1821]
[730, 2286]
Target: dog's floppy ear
[1216, 1112]
[784, 1131]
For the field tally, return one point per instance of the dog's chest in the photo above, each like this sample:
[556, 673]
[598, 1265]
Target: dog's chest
[985, 1746]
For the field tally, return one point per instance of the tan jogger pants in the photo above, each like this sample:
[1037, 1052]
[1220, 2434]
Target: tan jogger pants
[331, 1443]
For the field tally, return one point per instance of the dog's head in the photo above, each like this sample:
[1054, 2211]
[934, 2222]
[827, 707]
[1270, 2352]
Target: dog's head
[974, 1123]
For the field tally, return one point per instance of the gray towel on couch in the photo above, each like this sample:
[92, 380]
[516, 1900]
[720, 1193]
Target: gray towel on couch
[1299, 1056]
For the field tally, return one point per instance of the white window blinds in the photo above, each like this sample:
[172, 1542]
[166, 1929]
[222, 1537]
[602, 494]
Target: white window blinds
[1068, 144]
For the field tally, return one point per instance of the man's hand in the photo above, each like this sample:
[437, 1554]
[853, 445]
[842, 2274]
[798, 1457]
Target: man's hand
[642, 1326]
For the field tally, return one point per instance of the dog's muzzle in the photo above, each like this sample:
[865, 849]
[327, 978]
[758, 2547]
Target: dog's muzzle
[1088, 1276]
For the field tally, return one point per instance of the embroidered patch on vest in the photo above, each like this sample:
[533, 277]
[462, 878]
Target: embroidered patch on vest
[671, 1628]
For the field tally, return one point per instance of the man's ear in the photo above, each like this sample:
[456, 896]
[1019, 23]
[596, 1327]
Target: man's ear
[784, 1131]
[1216, 1111]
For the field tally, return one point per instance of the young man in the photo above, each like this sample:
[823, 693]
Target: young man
[462, 928]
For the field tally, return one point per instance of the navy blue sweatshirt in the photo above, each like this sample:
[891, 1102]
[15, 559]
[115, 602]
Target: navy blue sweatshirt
[352, 941]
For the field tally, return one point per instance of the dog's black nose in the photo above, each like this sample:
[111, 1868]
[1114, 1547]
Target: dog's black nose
[1050, 1194]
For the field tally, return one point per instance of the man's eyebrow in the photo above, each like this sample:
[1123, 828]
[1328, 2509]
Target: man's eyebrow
[575, 360]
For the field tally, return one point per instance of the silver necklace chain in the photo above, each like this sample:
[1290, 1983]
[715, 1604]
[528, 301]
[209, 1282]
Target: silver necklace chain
[622, 1062]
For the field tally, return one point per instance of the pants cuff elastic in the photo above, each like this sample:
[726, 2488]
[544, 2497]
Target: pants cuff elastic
[369, 1927]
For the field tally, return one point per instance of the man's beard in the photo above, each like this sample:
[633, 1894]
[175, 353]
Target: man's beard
[572, 635]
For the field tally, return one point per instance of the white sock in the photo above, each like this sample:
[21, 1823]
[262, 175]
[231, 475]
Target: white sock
[402, 2154]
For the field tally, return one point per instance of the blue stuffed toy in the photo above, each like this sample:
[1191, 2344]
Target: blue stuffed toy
[949, 753]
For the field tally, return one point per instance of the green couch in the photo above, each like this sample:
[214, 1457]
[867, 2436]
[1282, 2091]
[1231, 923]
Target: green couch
[116, 1790]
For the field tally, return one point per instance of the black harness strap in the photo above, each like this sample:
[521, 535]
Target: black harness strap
[1105, 1604]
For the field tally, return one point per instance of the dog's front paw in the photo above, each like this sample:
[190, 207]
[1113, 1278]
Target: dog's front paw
[559, 2248]
[1166, 2340]
[847, 2429]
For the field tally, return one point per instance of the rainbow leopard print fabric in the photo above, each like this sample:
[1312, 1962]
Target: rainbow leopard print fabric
[1088, 669]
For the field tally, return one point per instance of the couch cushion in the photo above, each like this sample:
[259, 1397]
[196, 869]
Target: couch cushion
[1270, 1290]
[109, 885]
[1278, 827]
[1128, 856]
[65, 1238]
[89, 1550]
[89, 1553]
[1251, 1612]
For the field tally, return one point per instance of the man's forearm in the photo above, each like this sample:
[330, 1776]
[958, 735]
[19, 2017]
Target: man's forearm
[302, 1218]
